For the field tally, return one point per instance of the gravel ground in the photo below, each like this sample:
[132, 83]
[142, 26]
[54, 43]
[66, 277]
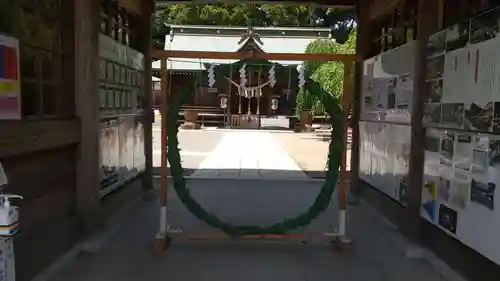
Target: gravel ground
[309, 152]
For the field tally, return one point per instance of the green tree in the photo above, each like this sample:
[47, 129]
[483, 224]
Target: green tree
[341, 21]
[329, 75]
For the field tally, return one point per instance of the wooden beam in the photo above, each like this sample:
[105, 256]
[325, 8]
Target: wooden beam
[381, 7]
[132, 6]
[252, 55]
[24, 137]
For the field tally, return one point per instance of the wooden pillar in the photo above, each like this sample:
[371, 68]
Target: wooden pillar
[230, 96]
[145, 39]
[427, 15]
[87, 108]
[362, 49]
[343, 170]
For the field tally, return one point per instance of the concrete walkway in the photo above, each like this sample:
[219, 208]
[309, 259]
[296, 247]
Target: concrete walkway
[249, 154]
[378, 254]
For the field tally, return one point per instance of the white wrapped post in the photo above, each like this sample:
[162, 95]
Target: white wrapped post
[302, 80]
[9, 226]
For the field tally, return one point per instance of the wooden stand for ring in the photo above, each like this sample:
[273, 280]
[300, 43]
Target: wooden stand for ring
[341, 244]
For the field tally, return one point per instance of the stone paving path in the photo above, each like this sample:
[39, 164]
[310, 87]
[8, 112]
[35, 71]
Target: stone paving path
[249, 154]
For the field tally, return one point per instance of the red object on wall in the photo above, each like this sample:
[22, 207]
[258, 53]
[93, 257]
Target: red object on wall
[10, 69]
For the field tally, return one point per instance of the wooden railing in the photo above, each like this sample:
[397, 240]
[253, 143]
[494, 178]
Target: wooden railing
[245, 121]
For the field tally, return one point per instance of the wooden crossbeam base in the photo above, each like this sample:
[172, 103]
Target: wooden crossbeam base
[160, 242]
[182, 235]
[341, 244]
[327, 238]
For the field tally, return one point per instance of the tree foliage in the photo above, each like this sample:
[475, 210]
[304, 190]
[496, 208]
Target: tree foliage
[340, 20]
[329, 75]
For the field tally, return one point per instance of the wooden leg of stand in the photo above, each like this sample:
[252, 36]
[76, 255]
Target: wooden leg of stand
[161, 240]
[343, 242]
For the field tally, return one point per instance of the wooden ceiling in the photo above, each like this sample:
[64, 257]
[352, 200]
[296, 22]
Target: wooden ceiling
[346, 3]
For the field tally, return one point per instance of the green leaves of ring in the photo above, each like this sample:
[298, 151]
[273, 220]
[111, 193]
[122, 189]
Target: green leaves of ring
[319, 205]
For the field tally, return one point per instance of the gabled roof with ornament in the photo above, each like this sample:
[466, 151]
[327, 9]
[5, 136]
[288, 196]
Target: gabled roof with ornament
[234, 39]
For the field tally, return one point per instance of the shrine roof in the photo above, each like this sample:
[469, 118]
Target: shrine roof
[231, 39]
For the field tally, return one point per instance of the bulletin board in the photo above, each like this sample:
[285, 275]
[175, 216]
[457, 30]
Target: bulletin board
[121, 101]
[386, 115]
[462, 156]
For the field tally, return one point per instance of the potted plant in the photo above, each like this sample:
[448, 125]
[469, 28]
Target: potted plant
[306, 116]
[190, 115]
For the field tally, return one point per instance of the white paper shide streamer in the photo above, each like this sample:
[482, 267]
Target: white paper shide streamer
[302, 80]
[211, 76]
[272, 77]
[243, 75]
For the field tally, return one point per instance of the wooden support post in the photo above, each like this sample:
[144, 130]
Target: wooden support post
[87, 108]
[229, 99]
[161, 239]
[343, 241]
[362, 49]
[239, 104]
[258, 95]
[426, 24]
[145, 39]
[440, 14]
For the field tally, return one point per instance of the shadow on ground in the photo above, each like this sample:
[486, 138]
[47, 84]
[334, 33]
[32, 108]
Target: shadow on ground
[250, 173]
[128, 257]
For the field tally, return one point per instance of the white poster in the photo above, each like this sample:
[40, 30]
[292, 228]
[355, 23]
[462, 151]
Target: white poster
[459, 193]
[384, 157]
[464, 92]
[388, 85]
[471, 74]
